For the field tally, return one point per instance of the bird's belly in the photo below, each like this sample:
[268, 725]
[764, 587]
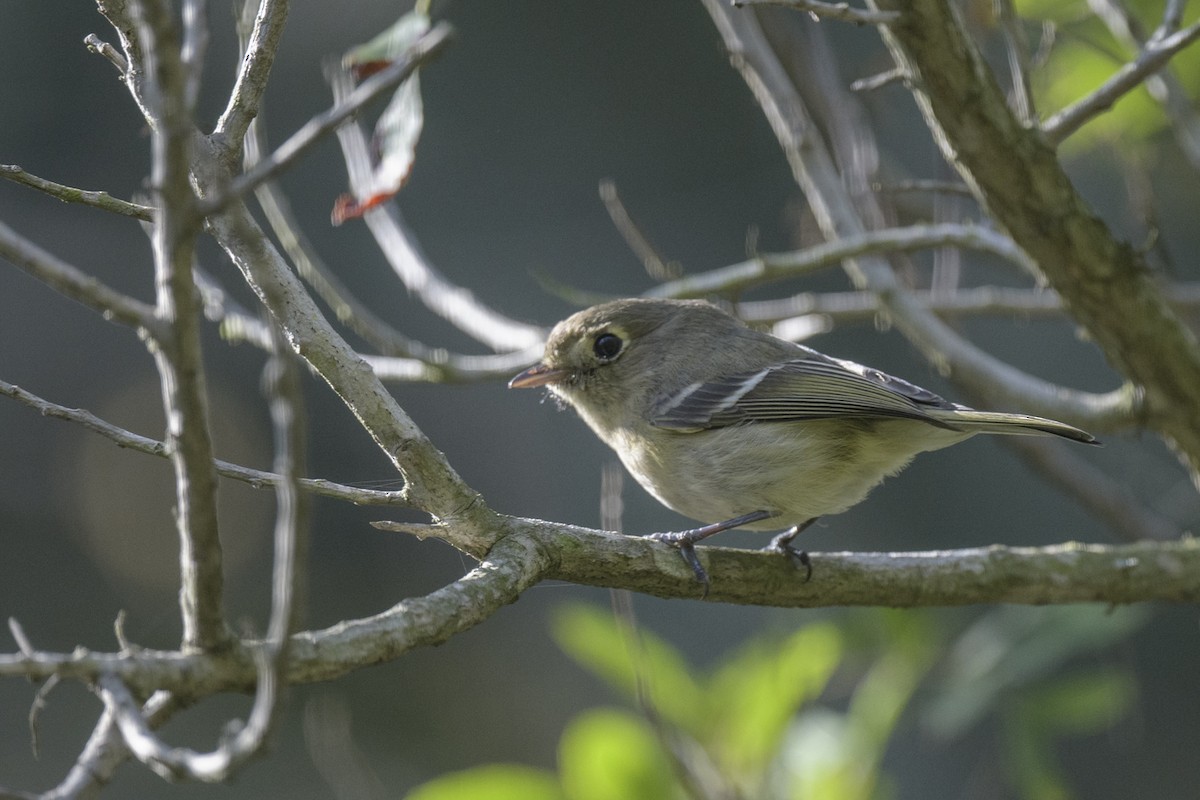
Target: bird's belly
[795, 471]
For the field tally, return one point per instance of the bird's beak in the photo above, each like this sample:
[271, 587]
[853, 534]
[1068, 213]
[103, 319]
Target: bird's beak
[538, 375]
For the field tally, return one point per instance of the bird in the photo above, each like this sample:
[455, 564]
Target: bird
[737, 428]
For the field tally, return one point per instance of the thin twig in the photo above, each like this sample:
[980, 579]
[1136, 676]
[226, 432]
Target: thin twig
[841, 12]
[142, 444]
[312, 132]
[1016, 48]
[875, 82]
[1165, 86]
[775, 266]
[260, 44]
[102, 48]
[453, 303]
[656, 267]
[69, 194]
[1109, 500]
[1156, 55]
[925, 185]
[403, 358]
[76, 284]
[838, 215]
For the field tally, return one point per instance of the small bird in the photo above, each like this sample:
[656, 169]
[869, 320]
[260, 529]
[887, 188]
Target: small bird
[737, 428]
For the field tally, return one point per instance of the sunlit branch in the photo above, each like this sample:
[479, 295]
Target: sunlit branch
[1154, 56]
[260, 44]
[453, 303]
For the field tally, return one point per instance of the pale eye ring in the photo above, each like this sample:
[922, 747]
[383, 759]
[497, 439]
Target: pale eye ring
[607, 346]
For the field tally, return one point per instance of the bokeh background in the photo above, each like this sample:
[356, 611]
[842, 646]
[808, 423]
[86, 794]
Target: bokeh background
[534, 104]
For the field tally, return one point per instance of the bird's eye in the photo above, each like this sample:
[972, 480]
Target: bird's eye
[607, 346]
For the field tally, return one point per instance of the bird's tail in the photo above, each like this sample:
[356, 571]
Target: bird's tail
[966, 419]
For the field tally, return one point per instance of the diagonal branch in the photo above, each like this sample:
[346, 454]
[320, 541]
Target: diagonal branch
[1104, 283]
[451, 302]
[839, 217]
[1154, 56]
[76, 284]
[426, 48]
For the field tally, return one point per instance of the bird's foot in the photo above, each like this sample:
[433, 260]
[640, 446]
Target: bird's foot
[685, 542]
[782, 544]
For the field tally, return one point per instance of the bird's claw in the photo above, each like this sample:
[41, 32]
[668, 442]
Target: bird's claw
[687, 549]
[798, 557]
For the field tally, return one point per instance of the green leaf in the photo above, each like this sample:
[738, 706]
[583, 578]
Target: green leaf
[1012, 648]
[756, 692]
[606, 754]
[595, 639]
[1083, 703]
[491, 782]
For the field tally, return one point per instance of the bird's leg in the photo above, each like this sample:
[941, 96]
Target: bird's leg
[685, 541]
[782, 544]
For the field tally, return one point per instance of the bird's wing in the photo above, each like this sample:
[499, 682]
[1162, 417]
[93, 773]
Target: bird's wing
[807, 388]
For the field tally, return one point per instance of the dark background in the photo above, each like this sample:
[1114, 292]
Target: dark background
[531, 107]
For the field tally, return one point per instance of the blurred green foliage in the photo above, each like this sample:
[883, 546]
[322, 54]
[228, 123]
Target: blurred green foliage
[1076, 52]
[810, 713]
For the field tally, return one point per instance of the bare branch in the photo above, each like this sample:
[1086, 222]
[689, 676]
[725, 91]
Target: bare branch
[768, 267]
[1156, 54]
[452, 367]
[978, 301]
[656, 267]
[76, 284]
[842, 12]
[178, 354]
[1164, 86]
[1103, 281]
[69, 194]
[195, 44]
[426, 48]
[1016, 49]
[451, 302]
[106, 750]
[432, 484]
[102, 48]
[142, 444]
[260, 45]
[404, 358]
[1109, 500]
[839, 218]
